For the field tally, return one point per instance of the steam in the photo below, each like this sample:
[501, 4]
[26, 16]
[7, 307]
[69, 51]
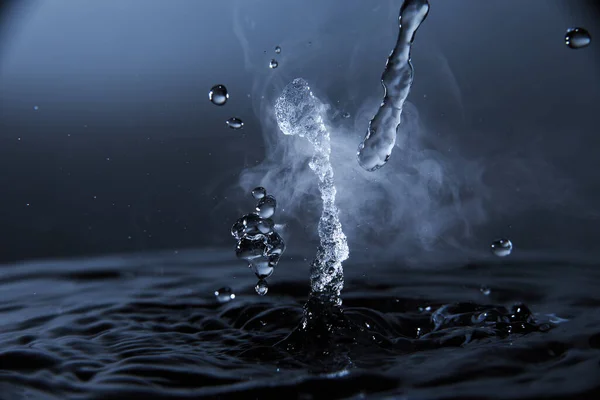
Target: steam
[427, 205]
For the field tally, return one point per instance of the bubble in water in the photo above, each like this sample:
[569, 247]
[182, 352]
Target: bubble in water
[502, 247]
[345, 115]
[266, 206]
[485, 290]
[376, 148]
[277, 49]
[259, 192]
[261, 287]
[235, 123]
[224, 295]
[577, 38]
[218, 95]
[273, 64]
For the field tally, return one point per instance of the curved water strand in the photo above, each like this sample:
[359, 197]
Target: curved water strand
[299, 112]
[397, 78]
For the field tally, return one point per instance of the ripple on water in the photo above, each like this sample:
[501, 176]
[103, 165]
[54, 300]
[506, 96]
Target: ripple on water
[94, 331]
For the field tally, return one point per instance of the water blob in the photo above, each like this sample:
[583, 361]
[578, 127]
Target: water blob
[577, 38]
[258, 242]
[298, 112]
[501, 247]
[261, 287]
[224, 295]
[218, 95]
[345, 115]
[376, 148]
[485, 290]
[273, 64]
[266, 206]
[35, 108]
[277, 49]
[259, 192]
[235, 123]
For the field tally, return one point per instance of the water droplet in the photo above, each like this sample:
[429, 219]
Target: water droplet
[36, 108]
[577, 38]
[485, 290]
[261, 287]
[224, 295]
[266, 206]
[235, 123]
[345, 115]
[218, 95]
[259, 192]
[277, 49]
[502, 247]
[273, 64]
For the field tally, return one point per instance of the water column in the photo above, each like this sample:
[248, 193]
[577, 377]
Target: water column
[299, 112]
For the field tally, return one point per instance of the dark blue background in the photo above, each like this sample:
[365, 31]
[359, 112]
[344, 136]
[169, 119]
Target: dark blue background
[126, 153]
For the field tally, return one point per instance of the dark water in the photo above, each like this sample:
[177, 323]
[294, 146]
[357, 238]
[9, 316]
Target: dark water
[150, 327]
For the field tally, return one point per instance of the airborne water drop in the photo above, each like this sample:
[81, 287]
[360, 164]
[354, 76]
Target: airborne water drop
[501, 247]
[235, 123]
[273, 64]
[266, 206]
[261, 287]
[218, 95]
[277, 49]
[224, 295]
[577, 38]
[259, 192]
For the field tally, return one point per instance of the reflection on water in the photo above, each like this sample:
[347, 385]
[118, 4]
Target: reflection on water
[151, 326]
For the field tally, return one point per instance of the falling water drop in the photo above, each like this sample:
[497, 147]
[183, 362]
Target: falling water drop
[235, 123]
[35, 108]
[266, 207]
[261, 287]
[485, 290]
[218, 95]
[259, 192]
[397, 78]
[345, 115]
[273, 64]
[502, 247]
[277, 49]
[577, 38]
[224, 295]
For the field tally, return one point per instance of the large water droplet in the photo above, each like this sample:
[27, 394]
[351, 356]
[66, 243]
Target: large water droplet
[266, 206]
[218, 95]
[374, 151]
[277, 49]
[224, 295]
[345, 115]
[273, 64]
[502, 247]
[577, 38]
[234, 123]
[259, 192]
[485, 290]
[261, 287]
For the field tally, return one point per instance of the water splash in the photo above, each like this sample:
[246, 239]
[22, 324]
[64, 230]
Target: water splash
[299, 112]
[258, 242]
[376, 148]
